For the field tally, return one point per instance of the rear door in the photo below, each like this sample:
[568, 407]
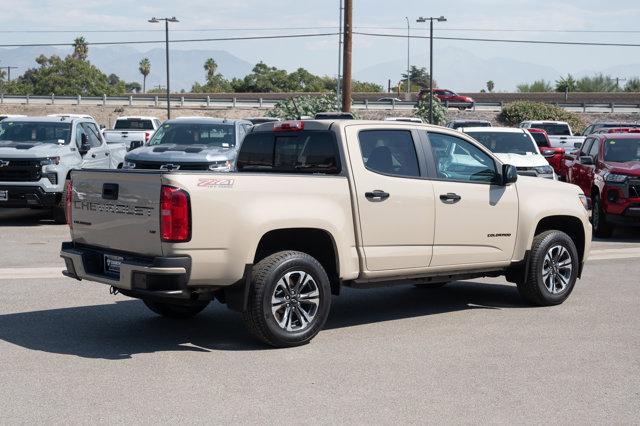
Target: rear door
[394, 198]
[475, 219]
[117, 210]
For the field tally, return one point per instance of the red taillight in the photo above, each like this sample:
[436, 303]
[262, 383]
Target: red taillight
[175, 215]
[289, 126]
[147, 136]
[68, 203]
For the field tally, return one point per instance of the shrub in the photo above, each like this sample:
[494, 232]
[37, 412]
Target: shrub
[439, 110]
[516, 112]
[293, 108]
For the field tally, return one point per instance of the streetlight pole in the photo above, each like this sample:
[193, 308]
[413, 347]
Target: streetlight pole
[155, 20]
[408, 60]
[431, 19]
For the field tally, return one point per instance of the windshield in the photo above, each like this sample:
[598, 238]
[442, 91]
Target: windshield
[622, 150]
[554, 129]
[215, 134]
[35, 132]
[133, 124]
[506, 143]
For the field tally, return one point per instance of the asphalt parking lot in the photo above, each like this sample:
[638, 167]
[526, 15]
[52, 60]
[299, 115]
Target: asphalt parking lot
[470, 352]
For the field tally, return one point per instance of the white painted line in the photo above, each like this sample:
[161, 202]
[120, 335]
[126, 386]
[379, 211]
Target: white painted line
[30, 273]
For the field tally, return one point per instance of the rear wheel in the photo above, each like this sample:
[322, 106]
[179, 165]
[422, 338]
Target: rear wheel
[601, 228]
[289, 299]
[553, 269]
[175, 310]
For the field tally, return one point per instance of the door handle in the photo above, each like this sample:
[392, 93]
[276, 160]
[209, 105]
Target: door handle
[450, 198]
[106, 153]
[376, 196]
[93, 156]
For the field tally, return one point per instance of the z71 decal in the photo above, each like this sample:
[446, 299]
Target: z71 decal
[215, 183]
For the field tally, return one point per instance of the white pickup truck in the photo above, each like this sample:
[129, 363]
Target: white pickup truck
[133, 132]
[559, 132]
[317, 205]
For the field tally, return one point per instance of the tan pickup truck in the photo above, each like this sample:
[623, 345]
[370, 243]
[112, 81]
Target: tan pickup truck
[316, 205]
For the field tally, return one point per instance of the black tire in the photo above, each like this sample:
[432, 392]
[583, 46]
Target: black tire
[272, 276]
[59, 211]
[601, 228]
[428, 286]
[175, 310]
[533, 289]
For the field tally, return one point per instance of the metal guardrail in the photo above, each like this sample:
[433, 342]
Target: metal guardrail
[208, 102]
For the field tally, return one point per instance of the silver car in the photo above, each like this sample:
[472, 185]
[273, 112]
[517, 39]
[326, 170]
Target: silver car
[191, 143]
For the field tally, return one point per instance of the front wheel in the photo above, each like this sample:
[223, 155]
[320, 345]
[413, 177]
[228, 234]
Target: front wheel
[175, 310]
[59, 211]
[601, 228]
[553, 269]
[289, 299]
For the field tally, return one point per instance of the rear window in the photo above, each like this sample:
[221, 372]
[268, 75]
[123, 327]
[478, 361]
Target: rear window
[300, 152]
[541, 139]
[554, 129]
[133, 124]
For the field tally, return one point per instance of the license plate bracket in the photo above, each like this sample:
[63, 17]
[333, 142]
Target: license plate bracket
[112, 265]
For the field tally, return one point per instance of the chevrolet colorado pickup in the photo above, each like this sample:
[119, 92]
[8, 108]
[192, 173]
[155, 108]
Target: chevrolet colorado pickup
[37, 155]
[317, 205]
[607, 169]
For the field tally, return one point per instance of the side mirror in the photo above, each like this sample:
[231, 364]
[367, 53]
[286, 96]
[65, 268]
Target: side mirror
[586, 160]
[135, 144]
[84, 144]
[509, 174]
[102, 127]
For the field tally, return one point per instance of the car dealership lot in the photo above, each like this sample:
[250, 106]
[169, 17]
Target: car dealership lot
[469, 352]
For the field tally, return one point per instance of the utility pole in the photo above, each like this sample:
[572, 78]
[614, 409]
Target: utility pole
[338, 82]
[431, 19]
[155, 20]
[408, 60]
[8, 68]
[346, 70]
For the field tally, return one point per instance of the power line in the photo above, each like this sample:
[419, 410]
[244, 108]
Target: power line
[497, 40]
[193, 40]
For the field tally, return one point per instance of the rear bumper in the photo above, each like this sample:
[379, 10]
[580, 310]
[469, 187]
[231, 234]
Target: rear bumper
[29, 196]
[153, 277]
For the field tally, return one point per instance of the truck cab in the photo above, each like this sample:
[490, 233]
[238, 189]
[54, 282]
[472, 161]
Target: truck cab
[37, 155]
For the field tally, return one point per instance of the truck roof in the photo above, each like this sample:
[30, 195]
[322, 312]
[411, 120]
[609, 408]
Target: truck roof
[207, 120]
[327, 124]
[545, 122]
[493, 129]
[138, 117]
[47, 119]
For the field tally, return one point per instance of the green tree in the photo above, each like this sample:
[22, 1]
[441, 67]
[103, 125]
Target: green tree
[439, 111]
[133, 87]
[566, 84]
[490, 85]
[633, 85]
[145, 68]
[536, 86]
[294, 108]
[210, 66]
[597, 83]
[69, 77]
[419, 78]
[80, 49]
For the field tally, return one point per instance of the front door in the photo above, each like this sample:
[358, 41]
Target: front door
[394, 199]
[475, 219]
[98, 155]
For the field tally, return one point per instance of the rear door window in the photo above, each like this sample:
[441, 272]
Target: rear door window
[295, 152]
[389, 152]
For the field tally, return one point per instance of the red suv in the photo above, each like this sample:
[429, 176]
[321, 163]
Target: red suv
[554, 156]
[607, 168]
[449, 97]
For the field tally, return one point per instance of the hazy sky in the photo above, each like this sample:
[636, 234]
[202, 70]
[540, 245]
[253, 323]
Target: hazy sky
[219, 18]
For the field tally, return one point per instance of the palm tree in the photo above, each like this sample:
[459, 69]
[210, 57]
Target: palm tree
[210, 66]
[490, 85]
[80, 49]
[145, 68]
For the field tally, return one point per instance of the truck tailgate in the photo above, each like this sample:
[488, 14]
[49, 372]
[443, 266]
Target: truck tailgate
[117, 210]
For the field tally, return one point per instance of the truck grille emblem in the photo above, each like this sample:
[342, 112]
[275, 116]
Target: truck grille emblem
[170, 167]
[4, 163]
